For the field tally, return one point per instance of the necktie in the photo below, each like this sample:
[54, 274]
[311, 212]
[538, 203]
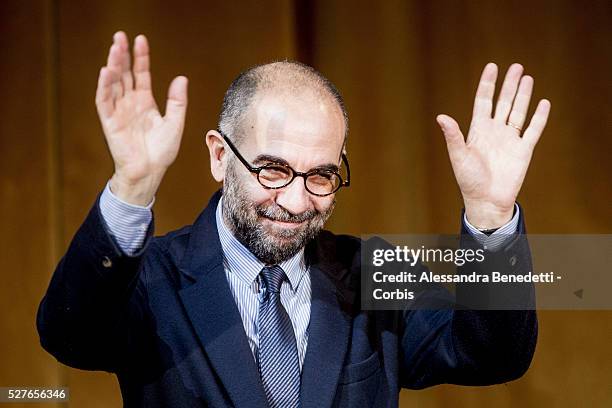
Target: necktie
[277, 353]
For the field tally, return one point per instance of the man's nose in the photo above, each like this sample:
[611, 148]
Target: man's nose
[294, 197]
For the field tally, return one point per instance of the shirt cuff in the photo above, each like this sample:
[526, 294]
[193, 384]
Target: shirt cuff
[127, 223]
[496, 240]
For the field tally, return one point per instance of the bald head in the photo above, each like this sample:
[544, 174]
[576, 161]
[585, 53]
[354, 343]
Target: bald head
[287, 79]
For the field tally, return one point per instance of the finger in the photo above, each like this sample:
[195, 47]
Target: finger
[176, 106]
[142, 76]
[113, 63]
[508, 91]
[104, 94]
[538, 122]
[126, 74]
[483, 103]
[455, 142]
[521, 102]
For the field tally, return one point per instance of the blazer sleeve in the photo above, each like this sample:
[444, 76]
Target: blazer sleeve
[473, 346]
[94, 310]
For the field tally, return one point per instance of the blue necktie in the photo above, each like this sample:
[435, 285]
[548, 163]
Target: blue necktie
[277, 354]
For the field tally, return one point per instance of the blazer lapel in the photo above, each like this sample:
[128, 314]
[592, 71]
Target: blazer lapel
[328, 334]
[215, 317]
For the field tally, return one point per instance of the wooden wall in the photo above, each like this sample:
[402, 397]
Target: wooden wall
[398, 64]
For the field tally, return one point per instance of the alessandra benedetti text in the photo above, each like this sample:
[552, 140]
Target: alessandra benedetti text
[494, 277]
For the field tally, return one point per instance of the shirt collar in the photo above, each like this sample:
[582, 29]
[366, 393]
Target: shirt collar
[246, 265]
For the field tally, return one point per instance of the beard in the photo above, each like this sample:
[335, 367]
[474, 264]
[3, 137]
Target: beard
[271, 244]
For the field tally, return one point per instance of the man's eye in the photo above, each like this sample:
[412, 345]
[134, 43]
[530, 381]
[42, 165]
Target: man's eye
[322, 178]
[272, 172]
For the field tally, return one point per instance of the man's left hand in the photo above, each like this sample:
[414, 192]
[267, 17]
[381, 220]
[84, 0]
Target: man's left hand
[490, 165]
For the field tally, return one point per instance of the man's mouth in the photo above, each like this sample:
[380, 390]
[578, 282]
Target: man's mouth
[284, 224]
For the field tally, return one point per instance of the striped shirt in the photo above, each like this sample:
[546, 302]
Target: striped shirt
[129, 224]
[497, 239]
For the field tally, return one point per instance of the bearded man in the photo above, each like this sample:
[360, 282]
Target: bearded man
[254, 305]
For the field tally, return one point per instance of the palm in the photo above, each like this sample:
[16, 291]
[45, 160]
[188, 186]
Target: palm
[494, 164]
[141, 141]
[138, 137]
[490, 165]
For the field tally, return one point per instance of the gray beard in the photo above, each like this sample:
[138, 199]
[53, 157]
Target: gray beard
[243, 217]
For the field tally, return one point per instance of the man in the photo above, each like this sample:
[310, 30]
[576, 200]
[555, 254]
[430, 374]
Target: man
[254, 305]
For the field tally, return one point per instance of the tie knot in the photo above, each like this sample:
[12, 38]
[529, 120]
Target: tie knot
[273, 277]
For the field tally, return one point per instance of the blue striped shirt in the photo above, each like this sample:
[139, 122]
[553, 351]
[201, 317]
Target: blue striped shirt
[497, 239]
[129, 223]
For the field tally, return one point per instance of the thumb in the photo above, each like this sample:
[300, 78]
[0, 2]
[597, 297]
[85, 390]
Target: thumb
[455, 141]
[176, 106]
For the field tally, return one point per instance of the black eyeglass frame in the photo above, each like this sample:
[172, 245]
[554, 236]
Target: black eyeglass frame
[295, 173]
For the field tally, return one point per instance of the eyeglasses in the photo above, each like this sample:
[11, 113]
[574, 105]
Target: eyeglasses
[319, 182]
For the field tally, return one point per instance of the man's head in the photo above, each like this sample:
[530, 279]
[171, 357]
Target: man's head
[287, 113]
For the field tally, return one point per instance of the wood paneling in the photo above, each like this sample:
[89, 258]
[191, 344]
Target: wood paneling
[28, 210]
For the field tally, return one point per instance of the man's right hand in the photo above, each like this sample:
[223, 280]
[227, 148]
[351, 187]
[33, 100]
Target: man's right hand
[143, 143]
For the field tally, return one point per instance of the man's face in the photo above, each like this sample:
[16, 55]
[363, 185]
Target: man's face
[306, 132]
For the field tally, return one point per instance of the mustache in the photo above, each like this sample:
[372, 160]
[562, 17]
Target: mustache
[277, 213]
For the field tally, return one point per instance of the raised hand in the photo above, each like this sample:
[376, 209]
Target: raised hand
[490, 165]
[142, 142]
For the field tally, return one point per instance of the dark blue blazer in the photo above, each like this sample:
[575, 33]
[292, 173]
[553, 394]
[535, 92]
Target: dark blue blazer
[166, 323]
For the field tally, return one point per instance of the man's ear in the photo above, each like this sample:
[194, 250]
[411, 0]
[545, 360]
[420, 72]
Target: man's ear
[216, 149]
